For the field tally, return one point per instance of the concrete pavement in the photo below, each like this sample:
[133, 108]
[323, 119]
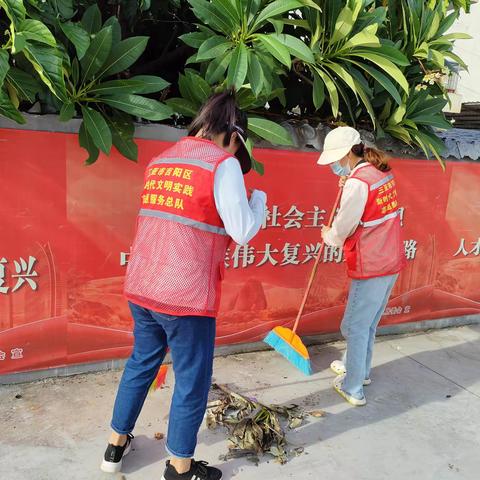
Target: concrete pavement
[422, 421]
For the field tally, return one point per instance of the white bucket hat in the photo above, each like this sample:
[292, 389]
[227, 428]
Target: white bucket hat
[338, 143]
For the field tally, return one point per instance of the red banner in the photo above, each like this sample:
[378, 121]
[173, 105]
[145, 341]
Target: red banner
[67, 230]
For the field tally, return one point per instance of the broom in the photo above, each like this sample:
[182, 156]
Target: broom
[160, 378]
[286, 341]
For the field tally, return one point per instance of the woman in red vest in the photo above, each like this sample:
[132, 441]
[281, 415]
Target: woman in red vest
[193, 203]
[367, 226]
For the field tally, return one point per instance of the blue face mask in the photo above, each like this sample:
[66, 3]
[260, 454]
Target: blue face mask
[339, 169]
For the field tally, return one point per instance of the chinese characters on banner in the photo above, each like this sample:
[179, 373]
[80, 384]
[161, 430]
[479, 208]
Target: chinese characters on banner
[15, 354]
[290, 253]
[24, 275]
[463, 250]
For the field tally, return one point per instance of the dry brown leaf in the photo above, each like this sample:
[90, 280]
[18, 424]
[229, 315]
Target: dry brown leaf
[317, 413]
[159, 436]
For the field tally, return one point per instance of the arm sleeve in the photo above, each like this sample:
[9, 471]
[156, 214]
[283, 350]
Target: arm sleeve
[352, 206]
[242, 218]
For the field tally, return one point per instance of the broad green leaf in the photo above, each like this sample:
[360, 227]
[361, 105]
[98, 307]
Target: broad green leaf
[457, 59]
[116, 29]
[38, 32]
[270, 131]
[217, 67]
[187, 89]
[92, 19]
[67, 112]
[457, 36]
[78, 36]
[386, 65]
[296, 47]
[383, 80]
[139, 84]
[15, 11]
[12, 93]
[343, 25]
[297, 23]
[437, 57]
[139, 106]
[434, 26]
[122, 129]
[277, 25]
[26, 86]
[311, 4]
[199, 86]
[182, 106]
[213, 48]
[447, 23]
[366, 38]
[228, 10]
[97, 54]
[391, 53]
[399, 132]
[318, 91]
[4, 65]
[210, 15]
[194, 39]
[272, 10]
[275, 48]
[124, 55]
[66, 9]
[422, 50]
[7, 109]
[332, 91]
[98, 129]
[237, 71]
[75, 71]
[47, 62]
[86, 142]
[19, 43]
[437, 121]
[398, 115]
[342, 73]
[255, 74]
[366, 101]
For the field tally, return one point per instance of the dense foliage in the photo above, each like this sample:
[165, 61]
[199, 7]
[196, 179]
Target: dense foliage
[378, 64]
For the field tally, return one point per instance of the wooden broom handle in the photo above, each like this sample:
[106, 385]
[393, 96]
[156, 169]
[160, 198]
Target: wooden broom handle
[315, 266]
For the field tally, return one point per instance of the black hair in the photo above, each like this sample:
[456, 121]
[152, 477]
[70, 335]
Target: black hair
[376, 157]
[220, 114]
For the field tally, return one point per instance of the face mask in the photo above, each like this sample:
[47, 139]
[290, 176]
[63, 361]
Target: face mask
[339, 169]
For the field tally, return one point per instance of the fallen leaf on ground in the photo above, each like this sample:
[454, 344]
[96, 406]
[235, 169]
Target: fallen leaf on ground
[317, 413]
[253, 428]
[159, 436]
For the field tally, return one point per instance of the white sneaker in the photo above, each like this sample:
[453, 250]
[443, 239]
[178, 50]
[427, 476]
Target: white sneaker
[337, 385]
[338, 367]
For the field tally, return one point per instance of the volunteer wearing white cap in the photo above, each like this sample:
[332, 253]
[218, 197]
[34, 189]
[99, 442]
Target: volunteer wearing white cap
[367, 226]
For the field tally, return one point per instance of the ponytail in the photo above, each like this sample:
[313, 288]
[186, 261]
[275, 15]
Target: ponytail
[375, 157]
[220, 114]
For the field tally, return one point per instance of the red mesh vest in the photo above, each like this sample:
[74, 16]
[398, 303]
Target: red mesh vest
[177, 257]
[376, 248]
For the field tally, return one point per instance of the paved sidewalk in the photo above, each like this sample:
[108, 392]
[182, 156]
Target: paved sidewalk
[422, 421]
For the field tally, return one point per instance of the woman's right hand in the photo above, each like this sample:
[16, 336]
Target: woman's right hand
[341, 182]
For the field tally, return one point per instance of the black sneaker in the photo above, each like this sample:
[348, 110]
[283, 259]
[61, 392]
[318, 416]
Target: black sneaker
[112, 461]
[198, 471]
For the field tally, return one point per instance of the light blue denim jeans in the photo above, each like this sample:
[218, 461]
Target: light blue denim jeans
[367, 300]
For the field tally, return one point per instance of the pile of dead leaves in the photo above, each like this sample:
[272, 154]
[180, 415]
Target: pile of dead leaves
[253, 428]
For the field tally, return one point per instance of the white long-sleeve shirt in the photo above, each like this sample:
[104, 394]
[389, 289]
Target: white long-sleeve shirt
[352, 205]
[242, 218]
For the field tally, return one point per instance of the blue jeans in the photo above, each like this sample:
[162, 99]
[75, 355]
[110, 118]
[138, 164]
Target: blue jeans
[367, 300]
[191, 340]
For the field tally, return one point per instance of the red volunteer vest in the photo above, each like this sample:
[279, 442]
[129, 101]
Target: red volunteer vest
[376, 248]
[177, 257]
